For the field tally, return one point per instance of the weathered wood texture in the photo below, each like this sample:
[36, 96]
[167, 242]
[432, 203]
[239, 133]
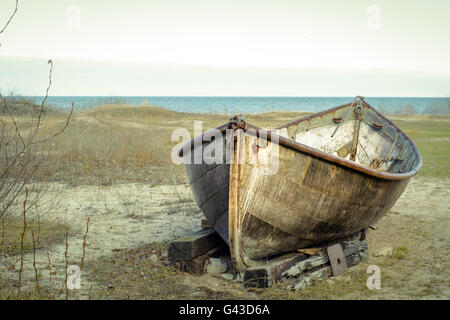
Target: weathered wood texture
[266, 273]
[299, 265]
[238, 256]
[352, 250]
[307, 201]
[337, 259]
[188, 252]
[378, 138]
[209, 184]
[304, 190]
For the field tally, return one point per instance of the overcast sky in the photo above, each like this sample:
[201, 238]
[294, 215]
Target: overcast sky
[245, 47]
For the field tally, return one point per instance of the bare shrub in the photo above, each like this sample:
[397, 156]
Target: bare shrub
[21, 144]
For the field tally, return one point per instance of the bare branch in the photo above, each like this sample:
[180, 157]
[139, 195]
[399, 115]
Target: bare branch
[30, 141]
[22, 239]
[34, 265]
[5, 104]
[60, 131]
[67, 266]
[10, 18]
[41, 111]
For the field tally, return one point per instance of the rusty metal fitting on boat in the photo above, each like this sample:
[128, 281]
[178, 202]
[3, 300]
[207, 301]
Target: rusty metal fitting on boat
[377, 125]
[237, 122]
[337, 119]
[358, 111]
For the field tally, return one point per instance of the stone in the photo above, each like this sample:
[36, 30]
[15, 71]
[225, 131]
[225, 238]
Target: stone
[384, 252]
[303, 283]
[153, 258]
[228, 276]
[239, 278]
[216, 266]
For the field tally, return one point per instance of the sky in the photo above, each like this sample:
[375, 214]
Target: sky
[227, 48]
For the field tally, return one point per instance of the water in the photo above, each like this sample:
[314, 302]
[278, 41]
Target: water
[246, 105]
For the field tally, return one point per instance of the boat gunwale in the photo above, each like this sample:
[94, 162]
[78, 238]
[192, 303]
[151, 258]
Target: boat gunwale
[200, 139]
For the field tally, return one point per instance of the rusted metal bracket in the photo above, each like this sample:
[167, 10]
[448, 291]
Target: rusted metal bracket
[237, 122]
[337, 127]
[337, 259]
[358, 114]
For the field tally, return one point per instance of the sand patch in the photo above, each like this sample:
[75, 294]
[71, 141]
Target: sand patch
[121, 216]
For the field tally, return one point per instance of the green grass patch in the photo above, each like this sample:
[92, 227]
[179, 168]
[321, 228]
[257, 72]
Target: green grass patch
[46, 232]
[432, 138]
[400, 253]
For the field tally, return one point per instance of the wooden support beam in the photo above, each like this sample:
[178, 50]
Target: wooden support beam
[266, 273]
[191, 247]
[197, 265]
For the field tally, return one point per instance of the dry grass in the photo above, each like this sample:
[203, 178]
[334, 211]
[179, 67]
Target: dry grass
[133, 274]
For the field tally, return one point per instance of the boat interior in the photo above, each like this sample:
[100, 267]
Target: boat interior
[356, 132]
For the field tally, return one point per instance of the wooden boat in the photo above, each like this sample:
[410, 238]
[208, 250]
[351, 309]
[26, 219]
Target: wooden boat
[315, 179]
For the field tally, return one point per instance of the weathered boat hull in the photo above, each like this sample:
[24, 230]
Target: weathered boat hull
[210, 187]
[274, 193]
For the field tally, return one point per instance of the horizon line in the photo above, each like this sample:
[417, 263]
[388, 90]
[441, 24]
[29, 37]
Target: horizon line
[224, 96]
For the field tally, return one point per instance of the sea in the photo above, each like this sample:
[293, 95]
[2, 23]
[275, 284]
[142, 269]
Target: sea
[250, 105]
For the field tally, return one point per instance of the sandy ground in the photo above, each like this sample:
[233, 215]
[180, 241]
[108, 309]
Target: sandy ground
[121, 216]
[419, 222]
[130, 215]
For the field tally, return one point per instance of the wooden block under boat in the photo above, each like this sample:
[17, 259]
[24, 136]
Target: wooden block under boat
[268, 272]
[197, 266]
[190, 253]
[193, 246]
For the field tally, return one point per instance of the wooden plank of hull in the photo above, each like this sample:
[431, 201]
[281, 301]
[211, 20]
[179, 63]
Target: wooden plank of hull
[209, 184]
[239, 258]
